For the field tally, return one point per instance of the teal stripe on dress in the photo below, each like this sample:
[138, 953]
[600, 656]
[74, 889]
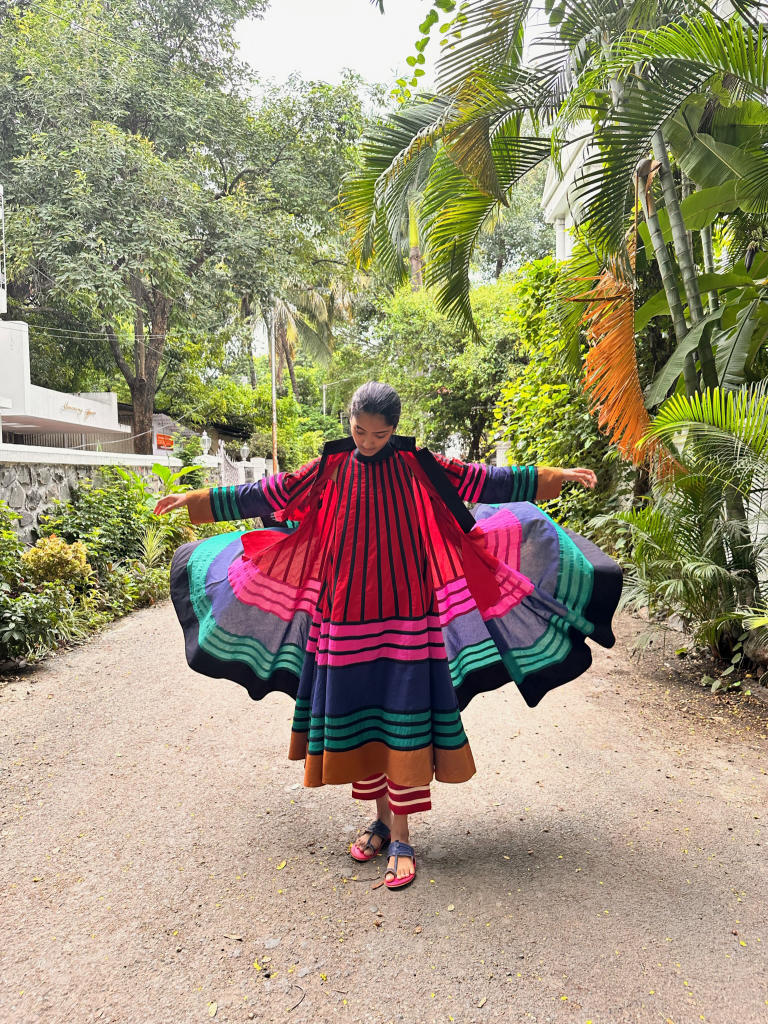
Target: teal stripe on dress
[517, 489]
[443, 729]
[471, 658]
[396, 717]
[317, 745]
[551, 647]
[216, 505]
[232, 500]
[575, 582]
[219, 642]
[345, 732]
[226, 503]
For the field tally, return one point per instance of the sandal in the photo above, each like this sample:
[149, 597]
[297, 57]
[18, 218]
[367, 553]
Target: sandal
[398, 850]
[376, 828]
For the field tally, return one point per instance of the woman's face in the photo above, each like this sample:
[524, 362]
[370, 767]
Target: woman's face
[370, 432]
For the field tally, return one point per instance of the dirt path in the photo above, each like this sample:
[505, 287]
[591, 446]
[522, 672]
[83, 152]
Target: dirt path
[162, 864]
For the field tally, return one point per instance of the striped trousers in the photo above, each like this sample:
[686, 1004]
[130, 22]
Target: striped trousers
[402, 799]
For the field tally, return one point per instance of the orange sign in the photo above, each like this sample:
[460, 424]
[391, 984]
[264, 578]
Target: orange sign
[164, 441]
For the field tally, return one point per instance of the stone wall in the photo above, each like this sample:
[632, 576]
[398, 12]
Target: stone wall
[31, 478]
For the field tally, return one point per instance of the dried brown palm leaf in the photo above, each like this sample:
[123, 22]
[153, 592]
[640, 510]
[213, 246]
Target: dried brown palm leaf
[610, 373]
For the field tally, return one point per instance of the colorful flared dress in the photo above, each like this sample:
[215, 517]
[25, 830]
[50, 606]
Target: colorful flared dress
[391, 606]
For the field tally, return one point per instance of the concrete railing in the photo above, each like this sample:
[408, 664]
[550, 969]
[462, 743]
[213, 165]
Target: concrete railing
[29, 454]
[32, 476]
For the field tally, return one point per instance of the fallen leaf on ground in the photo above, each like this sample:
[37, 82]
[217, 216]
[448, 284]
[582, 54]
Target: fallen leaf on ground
[212, 1008]
[417, 930]
[482, 1002]
[236, 938]
[450, 907]
[281, 865]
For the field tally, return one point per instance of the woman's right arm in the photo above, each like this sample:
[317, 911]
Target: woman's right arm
[242, 501]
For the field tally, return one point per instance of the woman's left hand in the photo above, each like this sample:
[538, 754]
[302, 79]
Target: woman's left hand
[580, 475]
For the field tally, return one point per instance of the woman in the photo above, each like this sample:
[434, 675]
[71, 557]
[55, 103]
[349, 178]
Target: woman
[390, 607]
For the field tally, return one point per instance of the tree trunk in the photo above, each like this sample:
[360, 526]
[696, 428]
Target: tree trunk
[477, 428]
[251, 363]
[417, 277]
[709, 263]
[246, 311]
[270, 322]
[280, 351]
[742, 549]
[668, 279]
[143, 401]
[152, 309]
[499, 266]
[291, 373]
[684, 253]
[641, 487]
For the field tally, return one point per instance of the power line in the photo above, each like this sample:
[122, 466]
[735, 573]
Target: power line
[59, 332]
[119, 440]
[88, 334]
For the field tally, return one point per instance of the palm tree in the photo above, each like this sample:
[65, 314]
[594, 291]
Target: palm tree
[687, 555]
[644, 82]
[302, 317]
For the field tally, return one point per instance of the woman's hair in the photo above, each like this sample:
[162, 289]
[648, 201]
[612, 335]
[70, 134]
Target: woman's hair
[377, 400]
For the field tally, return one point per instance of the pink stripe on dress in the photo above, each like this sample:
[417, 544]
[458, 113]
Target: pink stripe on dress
[251, 586]
[434, 651]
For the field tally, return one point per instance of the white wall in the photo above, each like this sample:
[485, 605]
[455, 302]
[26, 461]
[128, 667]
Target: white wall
[557, 200]
[87, 412]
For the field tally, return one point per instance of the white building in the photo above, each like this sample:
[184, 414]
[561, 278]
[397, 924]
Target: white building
[560, 209]
[40, 416]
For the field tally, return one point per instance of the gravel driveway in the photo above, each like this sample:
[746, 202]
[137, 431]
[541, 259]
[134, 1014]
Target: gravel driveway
[162, 864]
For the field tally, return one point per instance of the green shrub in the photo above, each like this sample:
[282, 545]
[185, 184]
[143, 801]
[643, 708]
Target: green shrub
[11, 546]
[189, 449]
[698, 548]
[203, 530]
[150, 584]
[53, 560]
[119, 590]
[544, 412]
[110, 518]
[33, 623]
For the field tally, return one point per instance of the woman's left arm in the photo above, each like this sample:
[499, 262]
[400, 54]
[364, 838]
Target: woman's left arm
[476, 481]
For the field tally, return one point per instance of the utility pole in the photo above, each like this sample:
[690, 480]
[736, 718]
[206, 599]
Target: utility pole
[271, 333]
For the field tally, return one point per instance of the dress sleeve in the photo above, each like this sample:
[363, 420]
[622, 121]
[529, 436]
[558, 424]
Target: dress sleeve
[476, 481]
[244, 501]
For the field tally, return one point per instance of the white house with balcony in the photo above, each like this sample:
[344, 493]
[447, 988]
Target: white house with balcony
[32, 415]
[560, 207]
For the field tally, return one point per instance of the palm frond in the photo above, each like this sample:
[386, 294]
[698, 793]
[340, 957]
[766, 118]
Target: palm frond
[738, 346]
[603, 189]
[742, 414]
[722, 437]
[611, 373]
[454, 211]
[374, 200]
[579, 273]
[711, 45]
[486, 35]
[314, 339]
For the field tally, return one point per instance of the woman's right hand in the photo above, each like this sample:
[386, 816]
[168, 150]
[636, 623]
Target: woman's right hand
[170, 502]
